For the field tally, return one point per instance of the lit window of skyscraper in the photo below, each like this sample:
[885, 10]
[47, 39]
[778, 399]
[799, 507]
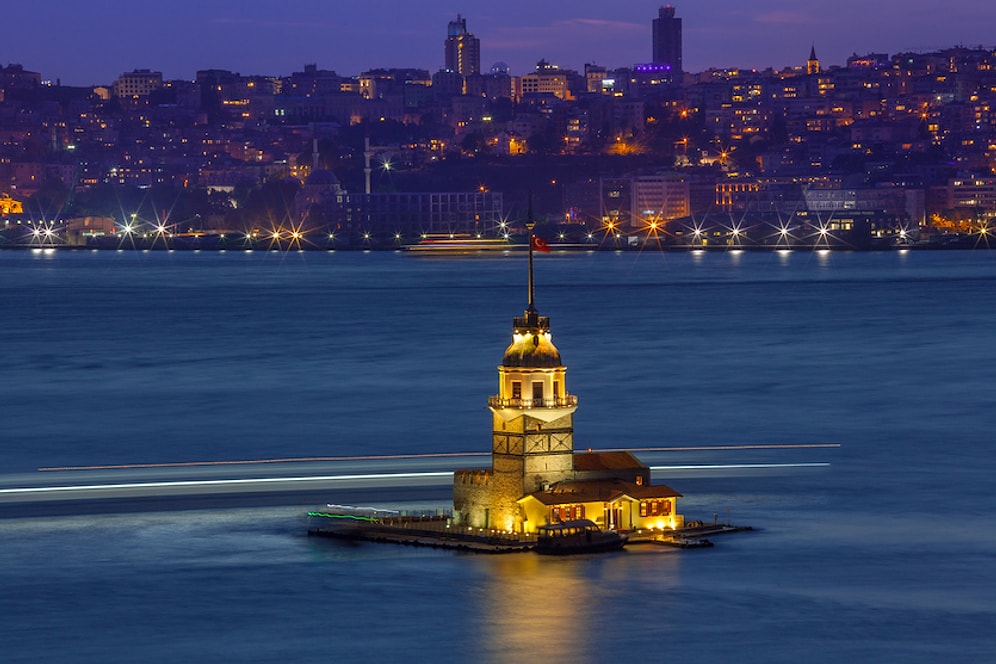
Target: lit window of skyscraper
[667, 39]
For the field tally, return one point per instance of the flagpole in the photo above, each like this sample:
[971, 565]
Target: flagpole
[529, 226]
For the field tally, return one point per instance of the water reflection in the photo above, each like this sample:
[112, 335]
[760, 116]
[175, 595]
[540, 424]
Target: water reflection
[539, 608]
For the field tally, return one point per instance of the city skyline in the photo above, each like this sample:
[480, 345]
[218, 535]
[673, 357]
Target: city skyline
[87, 45]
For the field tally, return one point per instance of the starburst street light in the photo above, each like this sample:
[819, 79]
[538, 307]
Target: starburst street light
[823, 234]
[784, 234]
[697, 234]
[736, 232]
[985, 231]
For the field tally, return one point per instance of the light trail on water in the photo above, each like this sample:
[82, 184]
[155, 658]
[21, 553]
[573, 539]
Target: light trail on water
[152, 487]
[742, 466]
[368, 479]
[438, 455]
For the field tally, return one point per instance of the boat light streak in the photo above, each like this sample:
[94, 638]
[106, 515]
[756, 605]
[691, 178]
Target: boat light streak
[188, 464]
[234, 482]
[708, 448]
[437, 455]
[741, 466]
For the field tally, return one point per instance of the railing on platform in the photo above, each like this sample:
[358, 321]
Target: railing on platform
[566, 401]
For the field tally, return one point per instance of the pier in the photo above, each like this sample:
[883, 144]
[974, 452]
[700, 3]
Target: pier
[438, 531]
[692, 537]
[435, 531]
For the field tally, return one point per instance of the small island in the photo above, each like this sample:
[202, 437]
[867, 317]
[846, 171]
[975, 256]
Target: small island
[536, 478]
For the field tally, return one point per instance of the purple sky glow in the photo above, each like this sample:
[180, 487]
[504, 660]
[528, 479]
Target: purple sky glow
[91, 43]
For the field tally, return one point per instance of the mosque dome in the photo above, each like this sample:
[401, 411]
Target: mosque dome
[322, 178]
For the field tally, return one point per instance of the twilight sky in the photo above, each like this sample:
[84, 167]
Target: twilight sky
[88, 43]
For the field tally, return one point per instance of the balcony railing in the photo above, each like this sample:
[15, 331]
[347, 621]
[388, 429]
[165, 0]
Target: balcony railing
[566, 401]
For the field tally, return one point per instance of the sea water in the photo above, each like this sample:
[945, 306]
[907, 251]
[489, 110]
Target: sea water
[880, 549]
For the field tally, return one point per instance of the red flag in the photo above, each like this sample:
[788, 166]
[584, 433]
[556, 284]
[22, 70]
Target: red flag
[540, 245]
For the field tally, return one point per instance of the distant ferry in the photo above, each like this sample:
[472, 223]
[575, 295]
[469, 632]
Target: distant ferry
[462, 244]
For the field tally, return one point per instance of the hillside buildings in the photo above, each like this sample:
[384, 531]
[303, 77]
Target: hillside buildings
[907, 139]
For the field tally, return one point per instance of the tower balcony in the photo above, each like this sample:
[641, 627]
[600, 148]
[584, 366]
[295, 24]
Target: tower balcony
[567, 401]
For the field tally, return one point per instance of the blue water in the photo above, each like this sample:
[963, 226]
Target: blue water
[887, 554]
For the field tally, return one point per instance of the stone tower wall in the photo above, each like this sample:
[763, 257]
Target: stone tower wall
[488, 498]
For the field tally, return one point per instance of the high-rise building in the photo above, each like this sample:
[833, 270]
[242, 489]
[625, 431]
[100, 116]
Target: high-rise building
[462, 49]
[667, 39]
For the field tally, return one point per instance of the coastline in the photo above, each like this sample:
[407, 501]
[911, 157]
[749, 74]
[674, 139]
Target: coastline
[175, 245]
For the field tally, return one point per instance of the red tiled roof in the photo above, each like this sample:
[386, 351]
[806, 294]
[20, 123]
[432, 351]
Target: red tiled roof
[606, 491]
[594, 461]
[650, 491]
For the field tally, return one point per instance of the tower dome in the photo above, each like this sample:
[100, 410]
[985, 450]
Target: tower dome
[531, 347]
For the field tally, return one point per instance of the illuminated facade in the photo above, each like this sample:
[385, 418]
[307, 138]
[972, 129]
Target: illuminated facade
[139, 83]
[536, 478]
[977, 194]
[9, 206]
[657, 198]
[813, 64]
[637, 202]
[548, 79]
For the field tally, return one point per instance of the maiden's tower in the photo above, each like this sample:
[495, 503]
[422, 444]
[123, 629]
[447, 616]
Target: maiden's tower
[536, 477]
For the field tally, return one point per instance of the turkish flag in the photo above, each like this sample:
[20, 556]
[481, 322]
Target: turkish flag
[540, 245]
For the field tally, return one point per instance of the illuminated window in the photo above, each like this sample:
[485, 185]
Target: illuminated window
[556, 389]
[561, 513]
[655, 507]
[537, 391]
[516, 389]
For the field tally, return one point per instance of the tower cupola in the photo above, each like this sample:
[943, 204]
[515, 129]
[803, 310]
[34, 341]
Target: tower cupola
[531, 345]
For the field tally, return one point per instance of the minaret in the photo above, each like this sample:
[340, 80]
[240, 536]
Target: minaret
[813, 64]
